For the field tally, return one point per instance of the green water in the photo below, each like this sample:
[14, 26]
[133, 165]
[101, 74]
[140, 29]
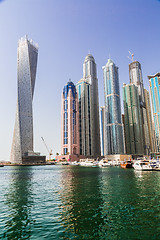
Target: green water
[72, 202]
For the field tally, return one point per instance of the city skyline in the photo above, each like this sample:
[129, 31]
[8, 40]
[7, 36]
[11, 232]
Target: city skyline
[58, 42]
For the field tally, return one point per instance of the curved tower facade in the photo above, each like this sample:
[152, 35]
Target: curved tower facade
[23, 131]
[70, 120]
[113, 122]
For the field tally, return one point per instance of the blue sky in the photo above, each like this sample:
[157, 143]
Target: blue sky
[66, 32]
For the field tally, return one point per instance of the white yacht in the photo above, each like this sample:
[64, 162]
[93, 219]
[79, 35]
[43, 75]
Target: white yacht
[155, 164]
[86, 162]
[142, 165]
[75, 163]
[104, 163]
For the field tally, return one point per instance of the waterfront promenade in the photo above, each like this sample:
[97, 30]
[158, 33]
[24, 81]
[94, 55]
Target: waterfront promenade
[73, 202]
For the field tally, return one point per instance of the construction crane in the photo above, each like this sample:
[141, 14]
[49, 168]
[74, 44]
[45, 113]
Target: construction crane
[50, 152]
[132, 55]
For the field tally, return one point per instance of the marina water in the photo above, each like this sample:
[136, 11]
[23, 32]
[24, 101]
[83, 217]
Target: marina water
[73, 202]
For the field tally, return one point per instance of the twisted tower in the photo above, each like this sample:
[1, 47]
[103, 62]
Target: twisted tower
[23, 131]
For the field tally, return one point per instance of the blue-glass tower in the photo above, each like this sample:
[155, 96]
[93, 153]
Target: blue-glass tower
[154, 83]
[113, 123]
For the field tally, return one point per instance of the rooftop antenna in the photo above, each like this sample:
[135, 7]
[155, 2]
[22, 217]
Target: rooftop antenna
[69, 79]
[132, 55]
[89, 52]
[109, 56]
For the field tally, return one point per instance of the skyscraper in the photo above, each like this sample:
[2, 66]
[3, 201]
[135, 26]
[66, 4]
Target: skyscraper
[22, 145]
[132, 120]
[70, 120]
[151, 129]
[103, 152]
[135, 75]
[154, 83]
[113, 122]
[87, 89]
[83, 90]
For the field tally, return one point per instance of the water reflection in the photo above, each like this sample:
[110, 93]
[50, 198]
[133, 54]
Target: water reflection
[71, 202]
[19, 201]
[130, 204]
[109, 203]
[81, 203]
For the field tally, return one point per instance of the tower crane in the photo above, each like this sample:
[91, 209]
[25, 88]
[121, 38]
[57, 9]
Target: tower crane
[50, 152]
[132, 55]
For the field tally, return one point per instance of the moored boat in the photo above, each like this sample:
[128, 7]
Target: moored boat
[104, 163]
[65, 163]
[155, 164]
[126, 164]
[86, 162]
[75, 163]
[142, 165]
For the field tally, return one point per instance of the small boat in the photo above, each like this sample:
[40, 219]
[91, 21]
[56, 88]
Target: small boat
[126, 164]
[95, 164]
[65, 163]
[155, 164]
[115, 163]
[75, 163]
[104, 163]
[142, 165]
[1, 165]
[86, 163]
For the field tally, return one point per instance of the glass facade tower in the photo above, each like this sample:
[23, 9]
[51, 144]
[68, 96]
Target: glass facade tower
[23, 131]
[154, 83]
[113, 122]
[103, 131]
[132, 120]
[87, 89]
[135, 75]
[151, 129]
[83, 90]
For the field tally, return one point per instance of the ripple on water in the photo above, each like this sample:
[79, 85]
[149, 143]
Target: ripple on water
[70, 202]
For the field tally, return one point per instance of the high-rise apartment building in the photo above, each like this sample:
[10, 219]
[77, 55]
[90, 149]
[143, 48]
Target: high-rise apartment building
[132, 120]
[22, 145]
[83, 90]
[124, 139]
[154, 83]
[113, 122]
[135, 75]
[87, 89]
[103, 152]
[70, 120]
[151, 129]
